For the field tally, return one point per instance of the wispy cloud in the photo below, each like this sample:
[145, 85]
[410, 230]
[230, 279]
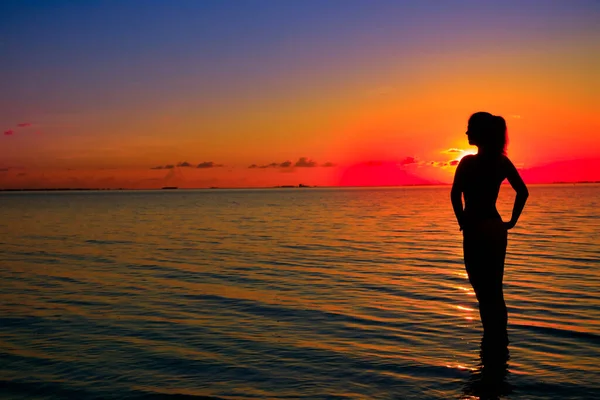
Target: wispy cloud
[272, 165]
[408, 161]
[10, 132]
[451, 163]
[452, 151]
[185, 164]
[304, 162]
[209, 164]
[168, 166]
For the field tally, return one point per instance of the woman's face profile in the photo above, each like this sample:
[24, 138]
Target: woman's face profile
[469, 134]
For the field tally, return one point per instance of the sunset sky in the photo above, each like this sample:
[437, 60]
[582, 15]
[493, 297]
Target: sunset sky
[197, 93]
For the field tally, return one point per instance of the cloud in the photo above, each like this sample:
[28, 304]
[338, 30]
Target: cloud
[452, 150]
[284, 164]
[185, 164]
[272, 165]
[438, 163]
[208, 164]
[304, 162]
[24, 124]
[408, 161]
[9, 132]
[168, 166]
[452, 163]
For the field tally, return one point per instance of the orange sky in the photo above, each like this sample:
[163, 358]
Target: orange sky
[322, 103]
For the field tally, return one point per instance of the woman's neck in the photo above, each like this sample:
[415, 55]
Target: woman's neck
[485, 153]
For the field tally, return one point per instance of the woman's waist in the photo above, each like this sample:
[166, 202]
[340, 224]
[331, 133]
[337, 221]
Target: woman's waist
[484, 226]
[480, 213]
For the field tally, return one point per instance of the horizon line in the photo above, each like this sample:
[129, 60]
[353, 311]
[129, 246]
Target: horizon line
[170, 188]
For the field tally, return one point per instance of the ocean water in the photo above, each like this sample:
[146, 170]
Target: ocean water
[316, 293]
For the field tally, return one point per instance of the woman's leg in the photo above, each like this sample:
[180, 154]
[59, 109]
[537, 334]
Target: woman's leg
[485, 251]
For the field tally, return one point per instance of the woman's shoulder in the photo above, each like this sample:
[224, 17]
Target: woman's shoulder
[473, 161]
[505, 161]
[467, 160]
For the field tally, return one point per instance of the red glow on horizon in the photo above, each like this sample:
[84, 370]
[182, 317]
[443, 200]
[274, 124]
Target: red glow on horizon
[585, 170]
[378, 173]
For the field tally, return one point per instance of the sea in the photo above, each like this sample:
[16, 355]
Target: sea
[290, 293]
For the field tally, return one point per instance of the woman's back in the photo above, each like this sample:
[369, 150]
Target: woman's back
[481, 179]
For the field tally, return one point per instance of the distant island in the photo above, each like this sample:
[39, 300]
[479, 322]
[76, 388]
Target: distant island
[293, 186]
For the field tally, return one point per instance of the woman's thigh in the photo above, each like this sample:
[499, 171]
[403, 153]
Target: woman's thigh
[484, 248]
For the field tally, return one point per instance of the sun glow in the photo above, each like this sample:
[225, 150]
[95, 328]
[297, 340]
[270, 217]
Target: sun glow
[465, 153]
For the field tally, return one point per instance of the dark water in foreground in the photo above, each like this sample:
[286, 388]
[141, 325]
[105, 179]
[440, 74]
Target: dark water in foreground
[289, 294]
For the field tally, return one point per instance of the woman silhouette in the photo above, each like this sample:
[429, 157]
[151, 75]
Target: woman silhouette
[478, 178]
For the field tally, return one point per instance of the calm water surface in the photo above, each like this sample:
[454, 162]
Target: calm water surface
[289, 294]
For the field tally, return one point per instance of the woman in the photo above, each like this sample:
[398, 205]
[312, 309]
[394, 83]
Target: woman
[478, 178]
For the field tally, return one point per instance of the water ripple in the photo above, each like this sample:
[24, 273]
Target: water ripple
[281, 294]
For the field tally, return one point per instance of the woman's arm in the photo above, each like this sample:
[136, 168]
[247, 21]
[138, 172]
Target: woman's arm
[457, 191]
[518, 185]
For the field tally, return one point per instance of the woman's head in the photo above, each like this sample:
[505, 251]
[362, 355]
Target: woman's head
[488, 133]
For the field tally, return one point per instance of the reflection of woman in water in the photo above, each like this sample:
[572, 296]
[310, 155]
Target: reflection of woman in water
[478, 178]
